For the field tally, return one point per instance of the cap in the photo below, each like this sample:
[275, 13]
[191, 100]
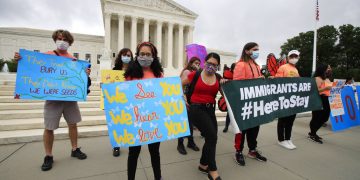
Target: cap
[294, 52]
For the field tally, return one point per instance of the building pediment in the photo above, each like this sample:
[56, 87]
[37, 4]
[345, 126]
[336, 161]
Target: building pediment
[159, 5]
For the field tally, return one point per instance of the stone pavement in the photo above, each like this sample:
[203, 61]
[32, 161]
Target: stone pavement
[337, 158]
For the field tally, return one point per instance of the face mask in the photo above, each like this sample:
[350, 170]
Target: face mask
[328, 73]
[125, 59]
[210, 69]
[145, 61]
[62, 45]
[293, 60]
[254, 55]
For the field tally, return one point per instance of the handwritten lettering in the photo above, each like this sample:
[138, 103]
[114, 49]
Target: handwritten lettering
[175, 128]
[142, 94]
[44, 69]
[126, 138]
[47, 84]
[144, 118]
[28, 80]
[64, 84]
[170, 89]
[51, 91]
[119, 97]
[123, 118]
[172, 108]
[149, 135]
[35, 91]
[33, 60]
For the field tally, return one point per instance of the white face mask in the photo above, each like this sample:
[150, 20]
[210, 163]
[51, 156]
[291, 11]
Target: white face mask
[62, 45]
[293, 60]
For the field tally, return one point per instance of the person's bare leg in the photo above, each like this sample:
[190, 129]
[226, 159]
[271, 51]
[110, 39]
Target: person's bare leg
[73, 134]
[48, 138]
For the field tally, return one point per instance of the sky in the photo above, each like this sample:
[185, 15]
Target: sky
[225, 25]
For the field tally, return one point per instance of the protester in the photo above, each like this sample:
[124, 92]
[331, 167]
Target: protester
[285, 124]
[122, 61]
[193, 65]
[53, 110]
[204, 85]
[247, 68]
[228, 74]
[322, 76]
[145, 66]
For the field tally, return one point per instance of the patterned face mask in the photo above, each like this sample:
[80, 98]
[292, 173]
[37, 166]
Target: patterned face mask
[210, 69]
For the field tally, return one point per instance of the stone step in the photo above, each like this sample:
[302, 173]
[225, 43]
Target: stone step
[10, 93]
[31, 135]
[38, 113]
[12, 88]
[38, 123]
[10, 99]
[40, 105]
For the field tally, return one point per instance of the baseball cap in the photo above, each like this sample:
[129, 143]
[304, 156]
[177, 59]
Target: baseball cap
[296, 52]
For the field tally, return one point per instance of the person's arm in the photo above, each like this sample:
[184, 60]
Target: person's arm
[185, 80]
[280, 72]
[319, 81]
[239, 71]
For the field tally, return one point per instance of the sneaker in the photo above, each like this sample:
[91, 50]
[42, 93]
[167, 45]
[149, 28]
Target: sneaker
[181, 149]
[78, 154]
[239, 158]
[314, 139]
[318, 137]
[193, 146]
[291, 144]
[47, 165]
[256, 155]
[225, 129]
[116, 151]
[285, 144]
[211, 178]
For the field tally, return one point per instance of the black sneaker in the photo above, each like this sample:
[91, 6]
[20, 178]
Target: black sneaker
[116, 151]
[181, 149]
[314, 138]
[256, 155]
[78, 154]
[239, 158]
[47, 165]
[193, 146]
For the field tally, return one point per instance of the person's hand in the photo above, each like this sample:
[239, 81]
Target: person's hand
[17, 57]
[328, 87]
[88, 71]
[223, 81]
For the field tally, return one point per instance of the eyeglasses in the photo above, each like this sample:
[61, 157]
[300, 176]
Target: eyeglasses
[145, 54]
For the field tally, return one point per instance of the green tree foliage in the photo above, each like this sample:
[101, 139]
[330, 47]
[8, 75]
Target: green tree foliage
[338, 47]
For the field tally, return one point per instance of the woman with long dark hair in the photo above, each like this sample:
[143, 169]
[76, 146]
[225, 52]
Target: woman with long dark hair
[322, 77]
[192, 65]
[247, 68]
[202, 111]
[145, 66]
[122, 61]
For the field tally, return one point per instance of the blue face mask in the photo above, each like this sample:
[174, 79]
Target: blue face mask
[125, 59]
[145, 61]
[255, 55]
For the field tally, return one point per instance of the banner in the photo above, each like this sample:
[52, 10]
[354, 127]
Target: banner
[195, 50]
[145, 111]
[258, 101]
[351, 117]
[49, 77]
[335, 102]
[109, 76]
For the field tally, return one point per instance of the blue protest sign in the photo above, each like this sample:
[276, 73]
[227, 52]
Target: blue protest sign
[145, 111]
[49, 77]
[352, 114]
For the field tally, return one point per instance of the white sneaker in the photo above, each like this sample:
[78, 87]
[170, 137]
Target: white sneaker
[284, 144]
[291, 144]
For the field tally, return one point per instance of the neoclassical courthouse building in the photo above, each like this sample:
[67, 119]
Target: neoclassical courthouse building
[165, 23]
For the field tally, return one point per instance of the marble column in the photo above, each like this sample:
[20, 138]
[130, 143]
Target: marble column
[159, 38]
[107, 31]
[170, 45]
[146, 30]
[121, 32]
[133, 33]
[191, 32]
[180, 46]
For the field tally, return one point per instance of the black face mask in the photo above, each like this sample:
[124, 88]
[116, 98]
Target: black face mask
[328, 74]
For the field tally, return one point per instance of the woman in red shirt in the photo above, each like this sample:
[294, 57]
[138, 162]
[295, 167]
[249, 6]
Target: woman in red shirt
[145, 66]
[228, 74]
[247, 68]
[202, 111]
[192, 66]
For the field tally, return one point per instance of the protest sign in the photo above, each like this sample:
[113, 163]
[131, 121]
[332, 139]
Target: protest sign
[49, 77]
[145, 111]
[109, 76]
[195, 50]
[335, 102]
[258, 101]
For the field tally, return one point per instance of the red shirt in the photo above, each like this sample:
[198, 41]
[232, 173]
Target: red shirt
[203, 93]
